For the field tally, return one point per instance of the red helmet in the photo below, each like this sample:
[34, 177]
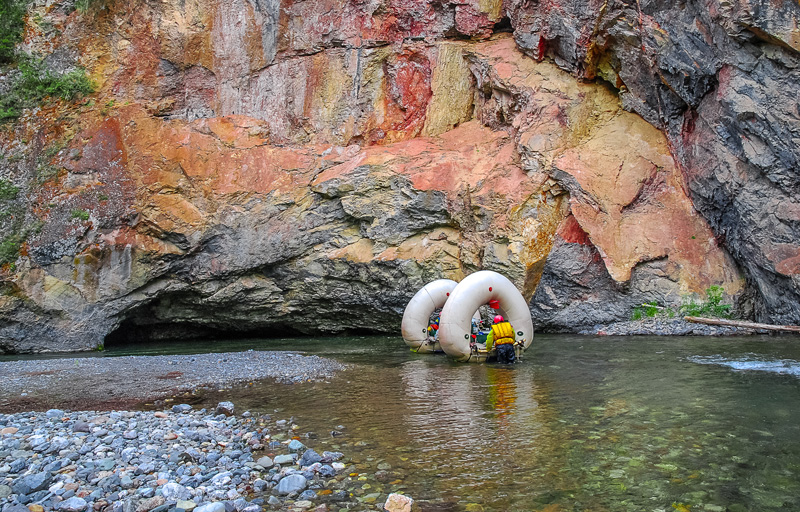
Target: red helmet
[498, 319]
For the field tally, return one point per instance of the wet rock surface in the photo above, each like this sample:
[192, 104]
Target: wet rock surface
[180, 459]
[711, 76]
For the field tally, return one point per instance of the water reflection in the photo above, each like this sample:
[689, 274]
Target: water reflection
[582, 424]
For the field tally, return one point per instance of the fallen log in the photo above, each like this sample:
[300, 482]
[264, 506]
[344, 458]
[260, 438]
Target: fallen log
[742, 324]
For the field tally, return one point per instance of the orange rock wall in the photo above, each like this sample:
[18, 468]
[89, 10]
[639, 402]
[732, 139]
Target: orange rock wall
[306, 166]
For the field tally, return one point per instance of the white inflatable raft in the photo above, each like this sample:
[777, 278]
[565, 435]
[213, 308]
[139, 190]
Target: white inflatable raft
[460, 303]
[418, 311]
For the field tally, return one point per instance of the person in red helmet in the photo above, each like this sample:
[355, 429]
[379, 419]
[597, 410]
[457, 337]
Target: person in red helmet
[503, 338]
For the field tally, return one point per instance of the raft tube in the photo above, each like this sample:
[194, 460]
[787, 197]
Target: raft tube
[418, 311]
[474, 291]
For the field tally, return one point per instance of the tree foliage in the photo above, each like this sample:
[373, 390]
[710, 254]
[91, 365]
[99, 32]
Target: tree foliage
[12, 24]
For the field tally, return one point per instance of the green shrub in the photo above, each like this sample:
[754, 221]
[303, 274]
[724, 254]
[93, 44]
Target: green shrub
[34, 82]
[712, 306]
[77, 213]
[83, 6]
[9, 248]
[7, 189]
[649, 310]
[12, 24]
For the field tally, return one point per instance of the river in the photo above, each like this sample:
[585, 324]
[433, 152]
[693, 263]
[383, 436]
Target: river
[583, 423]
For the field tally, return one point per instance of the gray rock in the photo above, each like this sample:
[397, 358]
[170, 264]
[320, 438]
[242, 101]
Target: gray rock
[331, 456]
[181, 408]
[15, 507]
[291, 483]
[5, 491]
[273, 501]
[18, 465]
[81, 426]
[296, 445]
[283, 459]
[106, 464]
[73, 504]
[309, 457]
[265, 462]
[174, 491]
[55, 413]
[58, 443]
[307, 495]
[225, 408]
[31, 483]
[211, 507]
[128, 454]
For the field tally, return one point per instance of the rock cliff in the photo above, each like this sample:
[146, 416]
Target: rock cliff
[266, 167]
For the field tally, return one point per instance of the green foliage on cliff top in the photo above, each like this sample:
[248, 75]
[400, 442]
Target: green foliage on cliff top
[34, 83]
[12, 23]
[8, 190]
[9, 248]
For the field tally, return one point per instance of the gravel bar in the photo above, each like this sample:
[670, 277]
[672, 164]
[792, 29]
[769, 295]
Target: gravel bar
[177, 460]
[104, 383]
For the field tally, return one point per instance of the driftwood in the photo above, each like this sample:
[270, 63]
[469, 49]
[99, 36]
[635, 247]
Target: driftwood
[742, 324]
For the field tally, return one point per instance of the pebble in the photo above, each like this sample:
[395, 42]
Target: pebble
[123, 461]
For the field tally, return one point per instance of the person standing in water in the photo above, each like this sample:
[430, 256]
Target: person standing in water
[503, 338]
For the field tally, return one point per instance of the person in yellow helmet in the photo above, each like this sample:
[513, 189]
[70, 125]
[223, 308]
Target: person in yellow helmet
[503, 338]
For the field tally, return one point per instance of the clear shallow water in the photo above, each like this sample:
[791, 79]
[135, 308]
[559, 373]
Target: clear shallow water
[589, 424]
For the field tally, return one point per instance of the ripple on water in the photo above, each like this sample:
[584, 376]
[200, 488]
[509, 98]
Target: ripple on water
[752, 363]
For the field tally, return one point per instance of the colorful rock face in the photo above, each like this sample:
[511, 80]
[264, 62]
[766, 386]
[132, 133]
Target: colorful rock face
[275, 168]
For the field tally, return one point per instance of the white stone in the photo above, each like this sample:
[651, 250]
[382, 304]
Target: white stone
[398, 503]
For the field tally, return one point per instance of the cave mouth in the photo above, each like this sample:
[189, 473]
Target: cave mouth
[132, 331]
[503, 25]
[174, 320]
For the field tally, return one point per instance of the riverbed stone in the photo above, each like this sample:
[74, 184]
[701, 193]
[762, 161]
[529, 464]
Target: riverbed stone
[309, 457]
[291, 483]
[283, 459]
[295, 445]
[265, 462]
[225, 408]
[5, 491]
[398, 503]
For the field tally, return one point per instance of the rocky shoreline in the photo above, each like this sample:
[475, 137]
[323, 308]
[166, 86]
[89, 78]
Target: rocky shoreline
[174, 460]
[666, 327]
[179, 459]
[105, 383]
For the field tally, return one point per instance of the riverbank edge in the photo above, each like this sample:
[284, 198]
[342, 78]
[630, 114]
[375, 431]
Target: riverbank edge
[127, 382]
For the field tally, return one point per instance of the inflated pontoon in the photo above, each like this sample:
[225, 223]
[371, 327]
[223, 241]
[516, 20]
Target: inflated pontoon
[460, 303]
